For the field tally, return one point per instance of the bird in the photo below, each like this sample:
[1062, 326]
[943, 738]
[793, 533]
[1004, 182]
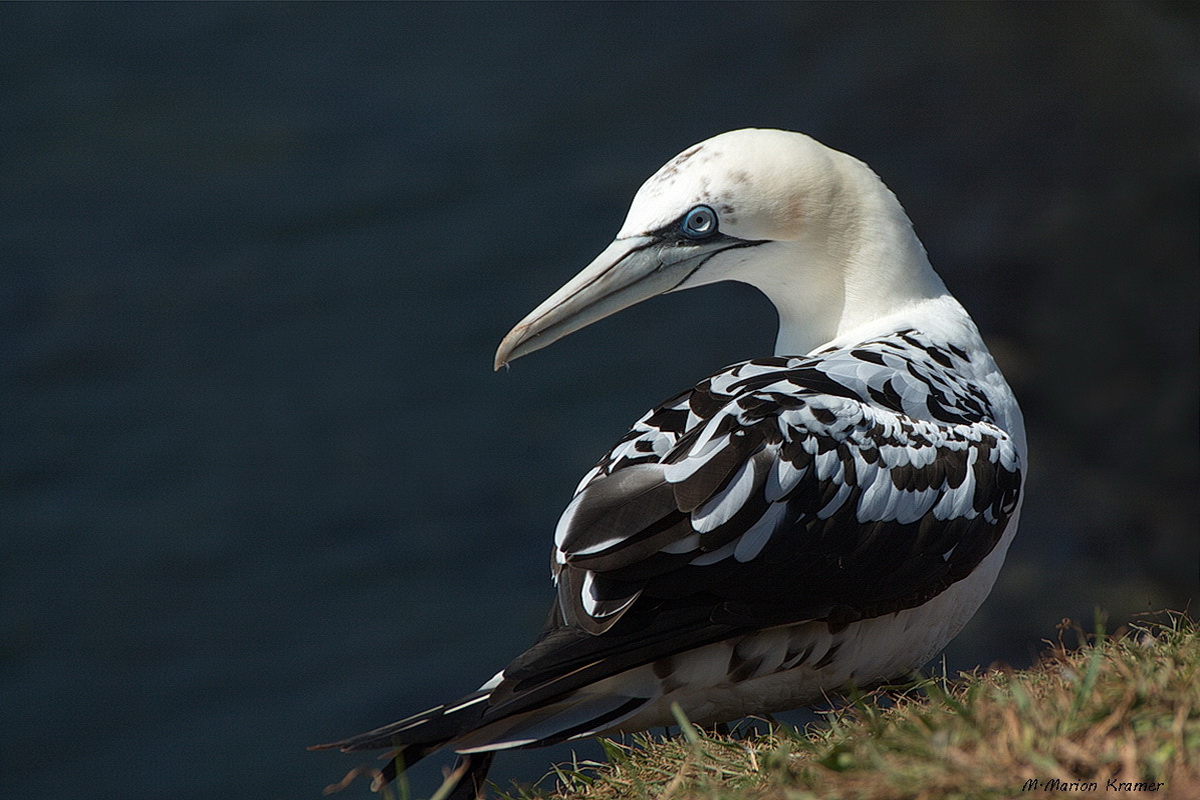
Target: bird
[828, 516]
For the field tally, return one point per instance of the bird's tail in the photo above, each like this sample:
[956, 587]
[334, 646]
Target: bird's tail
[435, 725]
[476, 731]
[414, 737]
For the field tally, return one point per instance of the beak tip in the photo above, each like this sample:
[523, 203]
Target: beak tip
[504, 353]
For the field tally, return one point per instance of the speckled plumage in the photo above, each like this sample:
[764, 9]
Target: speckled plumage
[860, 456]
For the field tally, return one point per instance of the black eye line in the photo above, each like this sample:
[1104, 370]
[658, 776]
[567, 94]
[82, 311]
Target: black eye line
[671, 236]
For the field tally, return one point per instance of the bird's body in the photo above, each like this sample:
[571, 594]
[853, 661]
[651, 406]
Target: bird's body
[831, 515]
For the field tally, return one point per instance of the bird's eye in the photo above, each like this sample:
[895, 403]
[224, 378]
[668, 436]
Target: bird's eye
[699, 223]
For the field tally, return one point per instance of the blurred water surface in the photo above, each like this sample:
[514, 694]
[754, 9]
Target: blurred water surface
[260, 485]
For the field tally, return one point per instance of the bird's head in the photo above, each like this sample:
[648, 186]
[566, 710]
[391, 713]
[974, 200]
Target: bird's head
[771, 208]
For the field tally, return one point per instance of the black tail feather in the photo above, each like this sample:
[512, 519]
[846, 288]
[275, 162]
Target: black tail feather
[413, 738]
[429, 729]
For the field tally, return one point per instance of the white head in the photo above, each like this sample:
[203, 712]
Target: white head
[763, 184]
[813, 228]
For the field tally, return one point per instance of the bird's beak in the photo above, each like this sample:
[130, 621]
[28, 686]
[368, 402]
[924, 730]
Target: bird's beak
[627, 272]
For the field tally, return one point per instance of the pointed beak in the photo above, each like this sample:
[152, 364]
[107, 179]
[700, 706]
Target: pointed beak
[627, 272]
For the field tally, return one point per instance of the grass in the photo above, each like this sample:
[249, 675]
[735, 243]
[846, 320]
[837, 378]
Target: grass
[1093, 721]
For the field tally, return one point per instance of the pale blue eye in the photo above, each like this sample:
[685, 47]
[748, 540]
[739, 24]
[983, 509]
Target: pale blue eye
[699, 223]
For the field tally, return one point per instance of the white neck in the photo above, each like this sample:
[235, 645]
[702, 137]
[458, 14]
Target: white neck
[857, 262]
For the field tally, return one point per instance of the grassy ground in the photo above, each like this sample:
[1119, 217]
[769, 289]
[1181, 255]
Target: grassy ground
[1112, 718]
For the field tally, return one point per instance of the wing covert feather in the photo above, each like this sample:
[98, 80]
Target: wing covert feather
[779, 488]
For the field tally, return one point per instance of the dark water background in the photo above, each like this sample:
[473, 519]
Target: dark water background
[260, 485]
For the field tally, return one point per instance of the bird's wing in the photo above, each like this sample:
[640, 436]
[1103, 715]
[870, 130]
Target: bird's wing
[780, 490]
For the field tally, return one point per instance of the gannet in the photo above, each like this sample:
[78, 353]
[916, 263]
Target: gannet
[828, 516]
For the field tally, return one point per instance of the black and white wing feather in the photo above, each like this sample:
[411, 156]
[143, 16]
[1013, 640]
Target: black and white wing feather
[839, 486]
